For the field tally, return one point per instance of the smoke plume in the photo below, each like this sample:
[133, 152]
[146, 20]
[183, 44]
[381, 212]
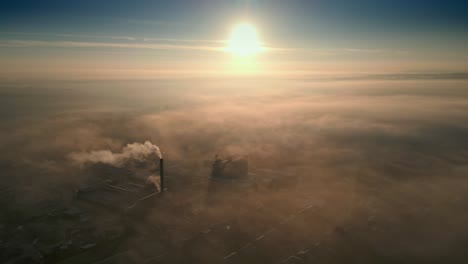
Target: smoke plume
[134, 151]
[154, 180]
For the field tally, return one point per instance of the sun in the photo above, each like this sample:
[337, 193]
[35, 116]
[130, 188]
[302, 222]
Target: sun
[244, 41]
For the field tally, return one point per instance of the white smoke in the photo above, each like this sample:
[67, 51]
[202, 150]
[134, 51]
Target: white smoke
[134, 151]
[154, 180]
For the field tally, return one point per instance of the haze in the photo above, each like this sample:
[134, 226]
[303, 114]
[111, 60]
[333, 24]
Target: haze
[353, 118]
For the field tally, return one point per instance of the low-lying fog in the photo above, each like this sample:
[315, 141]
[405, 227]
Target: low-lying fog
[384, 161]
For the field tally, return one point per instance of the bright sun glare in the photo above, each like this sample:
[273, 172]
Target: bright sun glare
[244, 41]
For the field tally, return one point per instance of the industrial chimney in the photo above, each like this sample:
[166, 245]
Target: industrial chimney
[161, 173]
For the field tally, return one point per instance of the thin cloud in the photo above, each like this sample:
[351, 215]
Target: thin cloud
[69, 35]
[374, 51]
[129, 38]
[340, 51]
[161, 45]
[82, 44]
[185, 40]
[174, 44]
[155, 22]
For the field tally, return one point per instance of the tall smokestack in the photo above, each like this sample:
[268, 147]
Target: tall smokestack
[161, 173]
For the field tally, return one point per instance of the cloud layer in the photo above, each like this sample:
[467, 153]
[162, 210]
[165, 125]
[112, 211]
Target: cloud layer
[385, 154]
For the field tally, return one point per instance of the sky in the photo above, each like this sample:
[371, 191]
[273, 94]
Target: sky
[172, 39]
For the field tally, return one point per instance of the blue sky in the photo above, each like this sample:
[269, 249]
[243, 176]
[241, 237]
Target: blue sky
[423, 35]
